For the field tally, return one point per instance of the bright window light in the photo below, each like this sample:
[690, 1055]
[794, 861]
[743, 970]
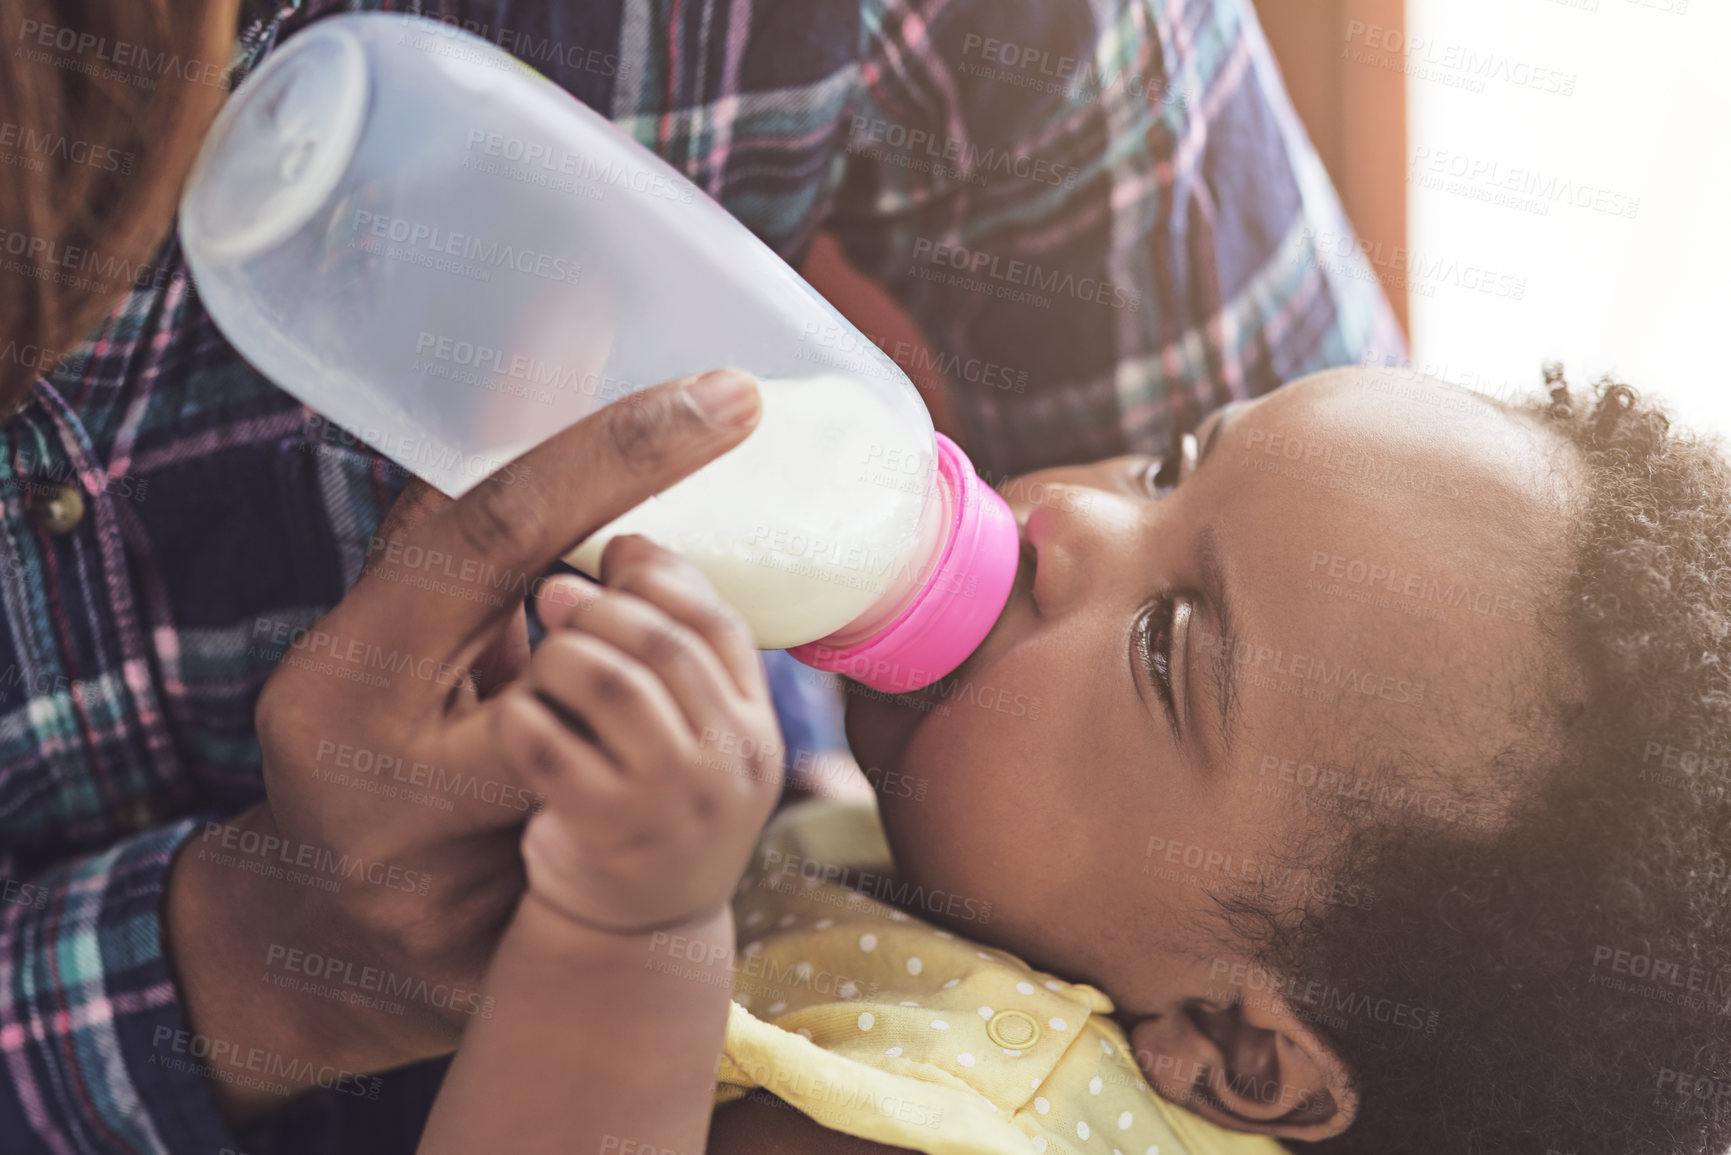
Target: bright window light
[1567, 173]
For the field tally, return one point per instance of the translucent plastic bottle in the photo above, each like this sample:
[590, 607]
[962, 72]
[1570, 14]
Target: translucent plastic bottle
[453, 259]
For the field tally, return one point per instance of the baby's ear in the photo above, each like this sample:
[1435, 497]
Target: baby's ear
[1255, 1068]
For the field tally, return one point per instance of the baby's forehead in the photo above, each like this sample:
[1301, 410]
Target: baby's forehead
[1397, 423]
[1398, 398]
[1404, 558]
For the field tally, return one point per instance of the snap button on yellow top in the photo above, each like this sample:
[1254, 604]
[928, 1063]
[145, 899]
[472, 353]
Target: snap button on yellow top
[1013, 1030]
[57, 508]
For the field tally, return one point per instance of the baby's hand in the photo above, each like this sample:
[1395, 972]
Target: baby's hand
[646, 720]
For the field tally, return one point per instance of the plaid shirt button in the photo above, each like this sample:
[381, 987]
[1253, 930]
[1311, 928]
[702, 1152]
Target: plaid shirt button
[57, 508]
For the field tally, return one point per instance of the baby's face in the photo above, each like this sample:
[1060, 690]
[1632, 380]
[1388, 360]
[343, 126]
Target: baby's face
[1189, 680]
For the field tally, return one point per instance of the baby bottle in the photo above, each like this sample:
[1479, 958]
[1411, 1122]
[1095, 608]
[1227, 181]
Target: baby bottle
[451, 258]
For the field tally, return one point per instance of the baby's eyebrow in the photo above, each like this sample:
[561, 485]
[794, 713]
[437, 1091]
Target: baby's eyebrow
[1219, 417]
[1225, 669]
[1215, 586]
[1214, 433]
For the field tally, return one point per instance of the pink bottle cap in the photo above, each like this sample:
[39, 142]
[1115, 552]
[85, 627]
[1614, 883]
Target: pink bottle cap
[958, 606]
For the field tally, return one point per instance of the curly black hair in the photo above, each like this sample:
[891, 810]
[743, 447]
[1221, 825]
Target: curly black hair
[1572, 967]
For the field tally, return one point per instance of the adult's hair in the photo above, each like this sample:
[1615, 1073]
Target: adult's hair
[103, 104]
[1567, 973]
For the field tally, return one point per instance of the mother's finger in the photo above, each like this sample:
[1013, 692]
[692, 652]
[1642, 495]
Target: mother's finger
[415, 504]
[440, 589]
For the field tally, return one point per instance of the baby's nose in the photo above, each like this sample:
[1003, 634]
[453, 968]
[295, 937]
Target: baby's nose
[1080, 537]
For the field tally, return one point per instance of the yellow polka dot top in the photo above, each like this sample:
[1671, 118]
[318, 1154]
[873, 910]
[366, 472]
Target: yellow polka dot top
[881, 1026]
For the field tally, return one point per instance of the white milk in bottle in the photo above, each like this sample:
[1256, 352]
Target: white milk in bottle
[807, 523]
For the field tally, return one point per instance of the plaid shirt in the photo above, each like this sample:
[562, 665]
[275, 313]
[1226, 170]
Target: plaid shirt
[1119, 230]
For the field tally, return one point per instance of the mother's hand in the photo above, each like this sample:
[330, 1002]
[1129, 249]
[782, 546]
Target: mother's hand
[380, 765]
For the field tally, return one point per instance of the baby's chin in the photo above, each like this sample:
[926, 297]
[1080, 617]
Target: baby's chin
[880, 726]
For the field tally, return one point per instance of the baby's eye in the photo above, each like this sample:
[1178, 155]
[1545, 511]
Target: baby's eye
[1154, 645]
[1161, 476]
[1164, 473]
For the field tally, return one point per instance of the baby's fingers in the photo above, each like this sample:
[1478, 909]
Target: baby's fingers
[636, 565]
[573, 774]
[616, 697]
[677, 655]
